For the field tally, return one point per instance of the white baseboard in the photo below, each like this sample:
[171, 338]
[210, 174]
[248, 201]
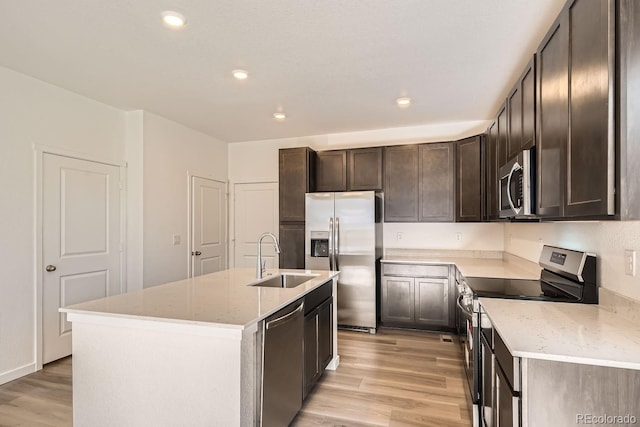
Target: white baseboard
[14, 374]
[335, 362]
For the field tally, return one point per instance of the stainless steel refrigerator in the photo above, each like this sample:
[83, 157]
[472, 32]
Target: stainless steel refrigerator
[343, 232]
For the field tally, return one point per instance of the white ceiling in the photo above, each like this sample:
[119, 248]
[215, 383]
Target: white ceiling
[332, 65]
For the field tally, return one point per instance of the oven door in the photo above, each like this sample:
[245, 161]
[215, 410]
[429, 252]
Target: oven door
[469, 337]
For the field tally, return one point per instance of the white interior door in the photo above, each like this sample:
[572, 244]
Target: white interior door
[81, 242]
[255, 212]
[209, 225]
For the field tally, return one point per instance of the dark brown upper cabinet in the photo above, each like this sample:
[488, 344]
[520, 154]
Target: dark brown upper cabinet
[295, 174]
[575, 120]
[521, 112]
[436, 182]
[469, 186]
[552, 118]
[331, 170]
[401, 183]
[492, 199]
[503, 136]
[349, 170]
[628, 160]
[365, 169]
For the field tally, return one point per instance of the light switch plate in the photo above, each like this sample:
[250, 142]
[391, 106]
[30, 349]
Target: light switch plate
[630, 262]
[176, 239]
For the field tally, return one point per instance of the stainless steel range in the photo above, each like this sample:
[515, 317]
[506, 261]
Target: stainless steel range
[567, 276]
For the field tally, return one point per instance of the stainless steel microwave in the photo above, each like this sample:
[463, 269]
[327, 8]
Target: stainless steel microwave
[517, 186]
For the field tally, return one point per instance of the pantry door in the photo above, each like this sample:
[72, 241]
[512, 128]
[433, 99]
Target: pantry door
[81, 242]
[255, 212]
[208, 226]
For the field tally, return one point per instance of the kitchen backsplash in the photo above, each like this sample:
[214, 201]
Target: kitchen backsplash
[458, 236]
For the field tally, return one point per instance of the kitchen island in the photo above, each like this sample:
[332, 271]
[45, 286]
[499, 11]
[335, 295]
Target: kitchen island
[183, 353]
[569, 364]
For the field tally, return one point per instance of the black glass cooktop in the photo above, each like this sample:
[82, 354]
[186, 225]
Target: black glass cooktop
[484, 287]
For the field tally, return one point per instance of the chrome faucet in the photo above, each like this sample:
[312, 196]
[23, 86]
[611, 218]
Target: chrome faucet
[260, 268]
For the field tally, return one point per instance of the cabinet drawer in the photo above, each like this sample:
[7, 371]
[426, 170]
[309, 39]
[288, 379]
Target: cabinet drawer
[414, 270]
[314, 298]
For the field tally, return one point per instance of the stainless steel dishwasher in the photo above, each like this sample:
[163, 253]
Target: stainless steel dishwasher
[282, 366]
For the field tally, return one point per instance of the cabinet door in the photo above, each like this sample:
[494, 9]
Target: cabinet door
[503, 136]
[507, 405]
[292, 245]
[629, 84]
[552, 119]
[590, 159]
[437, 170]
[295, 169]
[311, 368]
[432, 301]
[398, 300]
[365, 169]
[492, 200]
[325, 335]
[514, 121]
[401, 183]
[331, 170]
[469, 189]
[528, 88]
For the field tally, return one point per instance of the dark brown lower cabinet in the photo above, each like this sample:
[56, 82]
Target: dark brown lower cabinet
[292, 245]
[469, 187]
[317, 344]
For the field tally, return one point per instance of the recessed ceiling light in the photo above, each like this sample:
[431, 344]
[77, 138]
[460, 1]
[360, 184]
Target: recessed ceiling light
[279, 116]
[403, 102]
[240, 74]
[173, 19]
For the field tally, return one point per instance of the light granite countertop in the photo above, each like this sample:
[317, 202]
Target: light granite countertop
[565, 332]
[224, 299]
[472, 263]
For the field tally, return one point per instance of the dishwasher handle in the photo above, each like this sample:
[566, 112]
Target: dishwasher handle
[284, 319]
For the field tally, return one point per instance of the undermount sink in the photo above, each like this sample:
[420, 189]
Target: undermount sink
[285, 280]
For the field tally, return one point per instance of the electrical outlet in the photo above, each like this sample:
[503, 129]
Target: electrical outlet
[510, 238]
[630, 262]
[458, 236]
[398, 236]
[176, 239]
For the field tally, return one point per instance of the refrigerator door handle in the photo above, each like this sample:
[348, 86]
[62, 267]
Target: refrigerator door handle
[336, 251]
[331, 244]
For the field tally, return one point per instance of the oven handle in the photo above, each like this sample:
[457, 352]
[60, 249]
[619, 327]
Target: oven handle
[462, 308]
[514, 168]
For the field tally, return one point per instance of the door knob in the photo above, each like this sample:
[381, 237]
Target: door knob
[196, 253]
[50, 268]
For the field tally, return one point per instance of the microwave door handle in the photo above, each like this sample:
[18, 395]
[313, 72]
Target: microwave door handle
[331, 244]
[513, 169]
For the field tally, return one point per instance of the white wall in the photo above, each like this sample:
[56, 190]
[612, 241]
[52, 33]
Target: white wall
[171, 151]
[607, 239]
[34, 112]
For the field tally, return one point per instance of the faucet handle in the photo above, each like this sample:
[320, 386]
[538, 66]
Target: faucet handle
[264, 265]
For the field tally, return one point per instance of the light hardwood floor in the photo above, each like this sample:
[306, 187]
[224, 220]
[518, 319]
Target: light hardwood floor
[394, 378]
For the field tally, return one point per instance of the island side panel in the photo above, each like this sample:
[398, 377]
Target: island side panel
[578, 392]
[138, 376]
[335, 362]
